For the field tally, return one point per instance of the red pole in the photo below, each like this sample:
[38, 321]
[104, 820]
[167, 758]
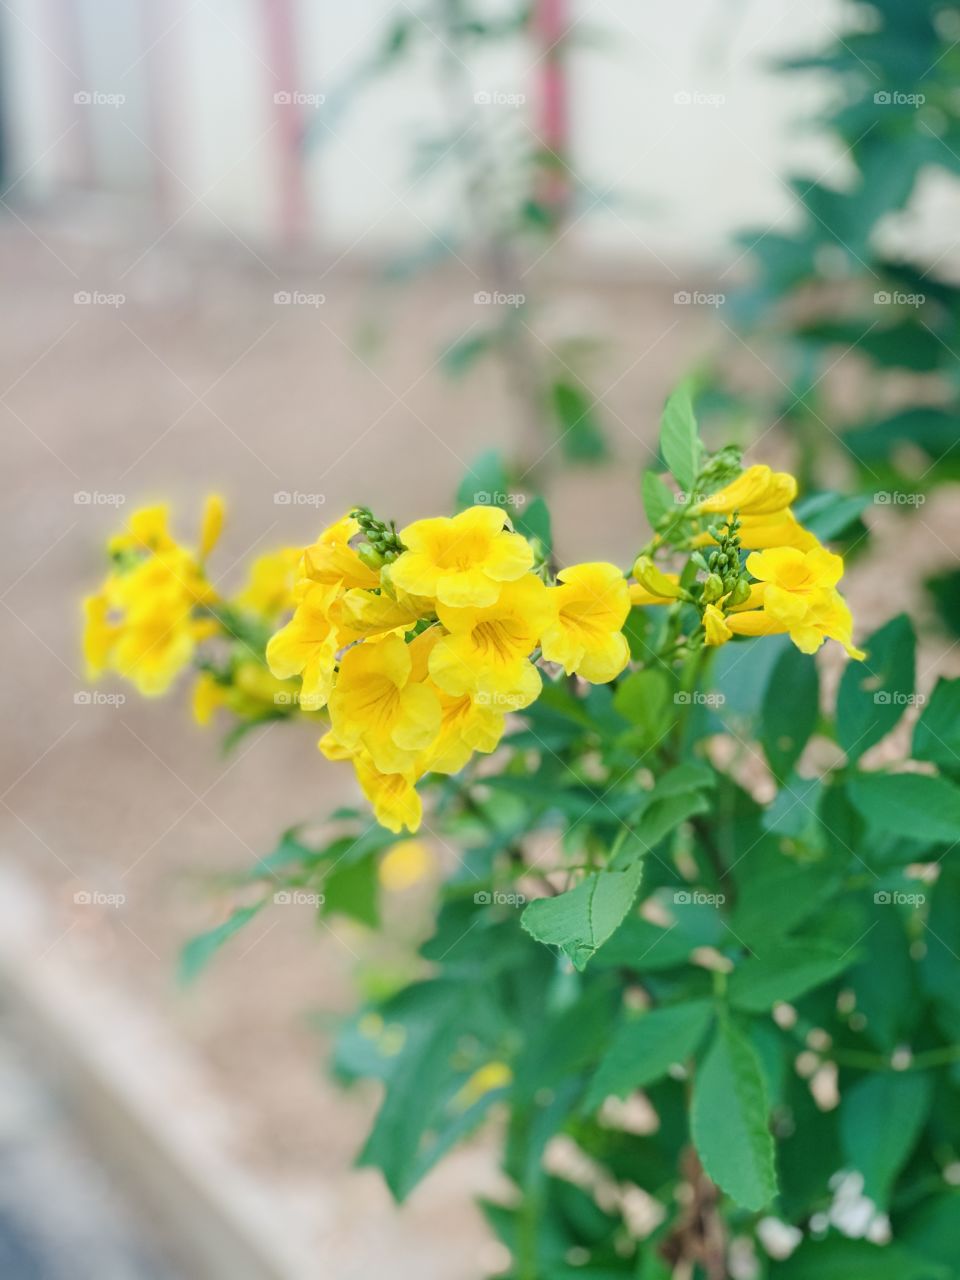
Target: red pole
[551, 21]
[281, 43]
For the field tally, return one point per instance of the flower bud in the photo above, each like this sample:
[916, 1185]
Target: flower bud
[741, 592]
[655, 580]
[712, 589]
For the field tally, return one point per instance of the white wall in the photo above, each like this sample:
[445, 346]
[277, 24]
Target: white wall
[667, 181]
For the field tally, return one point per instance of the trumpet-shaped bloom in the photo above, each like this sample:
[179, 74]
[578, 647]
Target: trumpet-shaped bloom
[715, 625]
[466, 726]
[332, 561]
[487, 651]
[365, 614]
[653, 585]
[379, 706]
[395, 800]
[758, 491]
[792, 578]
[585, 634]
[461, 562]
[269, 591]
[827, 617]
[307, 646]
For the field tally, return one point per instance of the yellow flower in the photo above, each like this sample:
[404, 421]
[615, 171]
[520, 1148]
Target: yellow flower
[364, 614]
[792, 577]
[307, 646]
[147, 530]
[155, 642]
[269, 589]
[405, 865]
[491, 1076]
[209, 695]
[487, 650]
[212, 525]
[461, 561]
[757, 491]
[586, 634]
[466, 726]
[716, 626]
[378, 704]
[332, 561]
[99, 634]
[395, 800]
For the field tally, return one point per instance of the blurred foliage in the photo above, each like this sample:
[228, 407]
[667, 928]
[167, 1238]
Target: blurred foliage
[849, 279]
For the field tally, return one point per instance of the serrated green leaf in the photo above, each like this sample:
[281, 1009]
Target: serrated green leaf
[730, 1120]
[875, 693]
[645, 1048]
[658, 498]
[582, 919]
[679, 438]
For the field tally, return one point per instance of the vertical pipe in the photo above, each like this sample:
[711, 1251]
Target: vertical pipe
[281, 45]
[551, 22]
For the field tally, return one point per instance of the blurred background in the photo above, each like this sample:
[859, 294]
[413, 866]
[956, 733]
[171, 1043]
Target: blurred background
[311, 255]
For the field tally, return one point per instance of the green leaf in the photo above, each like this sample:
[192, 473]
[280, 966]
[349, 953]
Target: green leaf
[909, 804]
[486, 475]
[880, 1120]
[679, 439]
[646, 1047]
[790, 709]
[875, 693]
[581, 438]
[937, 734]
[350, 889]
[658, 498]
[532, 519]
[837, 1258]
[729, 1120]
[199, 951]
[582, 919]
[786, 972]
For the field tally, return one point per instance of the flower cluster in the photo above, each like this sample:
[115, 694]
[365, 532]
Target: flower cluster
[420, 643]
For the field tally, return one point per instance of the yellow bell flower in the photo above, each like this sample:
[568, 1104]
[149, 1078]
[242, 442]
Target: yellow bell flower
[364, 614]
[827, 617]
[758, 533]
[586, 634]
[792, 577]
[99, 634]
[147, 530]
[757, 491]
[211, 526]
[153, 645]
[405, 865]
[716, 626]
[209, 695]
[307, 646]
[395, 800]
[332, 561]
[377, 705]
[487, 650]
[269, 589]
[462, 561]
[466, 726]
